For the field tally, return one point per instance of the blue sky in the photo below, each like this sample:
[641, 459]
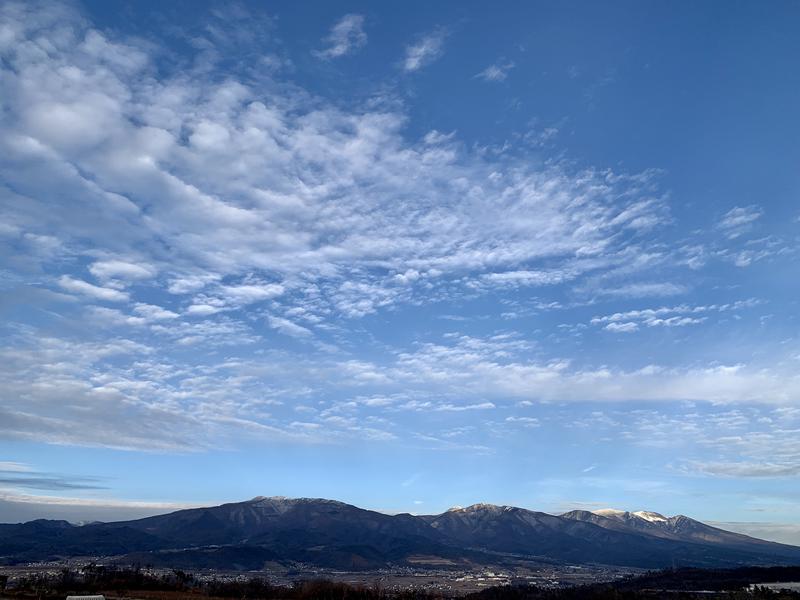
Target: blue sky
[402, 255]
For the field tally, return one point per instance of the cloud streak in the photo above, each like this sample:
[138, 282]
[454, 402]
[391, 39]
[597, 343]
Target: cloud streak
[738, 220]
[346, 37]
[424, 51]
[496, 72]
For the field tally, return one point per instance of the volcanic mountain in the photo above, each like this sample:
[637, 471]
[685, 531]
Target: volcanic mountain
[245, 535]
[679, 528]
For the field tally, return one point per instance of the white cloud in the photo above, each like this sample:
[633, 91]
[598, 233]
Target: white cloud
[249, 293]
[187, 284]
[644, 290]
[159, 507]
[289, 328]
[203, 309]
[410, 276]
[529, 422]
[15, 467]
[739, 469]
[423, 52]
[87, 289]
[463, 407]
[101, 315]
[221, 298]
[736, 442]
[496, 72]
[435, 137]
[346, 36]
[497, 369]
[784, 533]
[110, 269]
[739, 220]
[529, 278]
[668, 316]
[136, 400]
[151, 312]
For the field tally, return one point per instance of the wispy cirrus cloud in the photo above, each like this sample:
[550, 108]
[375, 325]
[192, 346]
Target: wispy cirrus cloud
[85, 288]
[14, 475]
[72, 501]
[739, 220]
[424, 51]
[346, 37]
[496, 72]
[668, 316]
[739, 469]
[14, 467]
[644, 289]
[785, 533]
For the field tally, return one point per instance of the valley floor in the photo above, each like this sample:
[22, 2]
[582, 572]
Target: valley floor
[435, 579]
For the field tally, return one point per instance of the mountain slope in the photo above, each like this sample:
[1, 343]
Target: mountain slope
[328, 533]
[679, 528]
[45, 539]
[306, 529]
[520, 531]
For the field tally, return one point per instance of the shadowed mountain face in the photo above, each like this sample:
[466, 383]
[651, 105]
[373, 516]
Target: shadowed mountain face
[263, 519]
[324, 532]
[312, 530]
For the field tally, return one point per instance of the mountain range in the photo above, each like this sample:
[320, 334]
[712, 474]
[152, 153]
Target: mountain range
[246, 535]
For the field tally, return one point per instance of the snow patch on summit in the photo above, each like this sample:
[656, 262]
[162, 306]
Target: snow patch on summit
[609, 512]
[653, 517]
[645, 515]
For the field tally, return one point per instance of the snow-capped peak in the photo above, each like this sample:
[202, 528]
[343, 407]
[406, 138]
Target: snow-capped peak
[484, 506]
[653, 517]
[609, 512]
[645, 515]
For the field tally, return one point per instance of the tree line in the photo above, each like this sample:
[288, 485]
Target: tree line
[134, 582]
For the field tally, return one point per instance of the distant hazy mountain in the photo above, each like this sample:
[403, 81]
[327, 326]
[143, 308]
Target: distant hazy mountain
[244, 535]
